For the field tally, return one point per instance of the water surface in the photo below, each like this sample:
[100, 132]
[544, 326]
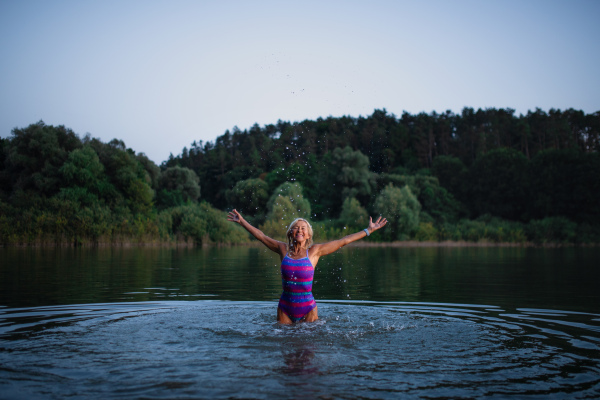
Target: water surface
[199, 323]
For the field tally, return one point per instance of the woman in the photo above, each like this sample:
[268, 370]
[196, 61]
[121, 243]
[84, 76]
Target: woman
[299, 257]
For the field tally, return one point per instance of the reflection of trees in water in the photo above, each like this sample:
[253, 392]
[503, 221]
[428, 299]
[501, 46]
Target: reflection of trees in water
[84, 275]
[91, 275]
[369, 274]
[394, 274]
[474, 275]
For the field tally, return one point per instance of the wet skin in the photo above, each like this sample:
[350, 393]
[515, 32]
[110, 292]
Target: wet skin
[299, 236]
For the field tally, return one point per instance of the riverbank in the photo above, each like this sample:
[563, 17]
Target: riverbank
[191, 244]
[449, 243]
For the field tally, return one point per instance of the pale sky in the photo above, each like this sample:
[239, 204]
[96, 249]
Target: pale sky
[160, 74]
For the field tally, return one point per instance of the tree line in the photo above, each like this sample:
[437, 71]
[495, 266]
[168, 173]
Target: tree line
[479, 175]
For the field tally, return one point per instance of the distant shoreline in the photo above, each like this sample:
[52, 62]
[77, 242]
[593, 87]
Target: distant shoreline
[450, 243]
[445, 243]
[364, 244]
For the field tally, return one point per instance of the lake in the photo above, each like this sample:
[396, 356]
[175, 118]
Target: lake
[188, 323]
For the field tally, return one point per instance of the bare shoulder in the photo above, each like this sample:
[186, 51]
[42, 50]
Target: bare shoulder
[315, 250]
[282, 247]
[274, 245]
[314, 253]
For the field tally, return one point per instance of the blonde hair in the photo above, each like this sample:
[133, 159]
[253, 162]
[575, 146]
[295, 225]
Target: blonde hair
[288, 234]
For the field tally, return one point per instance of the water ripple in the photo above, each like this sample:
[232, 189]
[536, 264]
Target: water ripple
[226, 349]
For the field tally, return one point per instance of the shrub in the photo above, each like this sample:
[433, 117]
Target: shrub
[353, 216]
[401, 208]
[552, 229]
[202, 223]
[426, 232]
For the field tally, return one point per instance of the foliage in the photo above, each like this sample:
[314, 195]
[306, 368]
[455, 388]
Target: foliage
[324, 231]
[434, 199]
[352, 172]
[566, 183]
[58, 188]
[553, 230]
[201, 223]
[285, 204]
[126, 174]
[401, 207]
[84, 180]
[353, 216]
[249, 196]
[294, 172]
[347, 173]
[427, 232]
[498, 185]
[295, 204]
[177, 185]
[528, 177]
[451, 173]
[152, 169]
[34, 156]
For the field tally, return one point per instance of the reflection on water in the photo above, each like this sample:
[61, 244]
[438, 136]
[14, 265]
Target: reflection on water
[224, 349]
[297, 360]
[409, 323]
[563, 279]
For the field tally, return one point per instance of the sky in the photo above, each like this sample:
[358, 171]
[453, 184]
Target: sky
[160, 75]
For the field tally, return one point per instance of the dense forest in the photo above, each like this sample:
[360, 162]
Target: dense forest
[482, 175]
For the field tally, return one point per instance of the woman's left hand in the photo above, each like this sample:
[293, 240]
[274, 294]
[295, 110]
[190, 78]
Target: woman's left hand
[373, 226]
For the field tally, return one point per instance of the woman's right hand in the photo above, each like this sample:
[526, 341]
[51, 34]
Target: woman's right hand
[273, 245]
[234, 216]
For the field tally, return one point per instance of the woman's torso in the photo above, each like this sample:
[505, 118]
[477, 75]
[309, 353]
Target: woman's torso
[297, 274]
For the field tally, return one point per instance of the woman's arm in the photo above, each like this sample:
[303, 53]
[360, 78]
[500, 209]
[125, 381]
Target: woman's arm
[323, 249]
[273, 245]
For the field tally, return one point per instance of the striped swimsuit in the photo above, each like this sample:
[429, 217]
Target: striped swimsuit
[297, 277]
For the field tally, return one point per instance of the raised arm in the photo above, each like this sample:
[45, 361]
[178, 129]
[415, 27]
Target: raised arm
[272, 244]
[327, 248]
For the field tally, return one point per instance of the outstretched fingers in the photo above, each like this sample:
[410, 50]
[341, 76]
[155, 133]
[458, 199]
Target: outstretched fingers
[379, 223]
[382, 222]
[233, 216]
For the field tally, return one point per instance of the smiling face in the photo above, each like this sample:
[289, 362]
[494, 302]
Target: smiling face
[300, 232]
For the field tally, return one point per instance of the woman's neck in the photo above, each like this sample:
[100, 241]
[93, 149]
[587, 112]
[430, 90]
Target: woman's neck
[296, 249]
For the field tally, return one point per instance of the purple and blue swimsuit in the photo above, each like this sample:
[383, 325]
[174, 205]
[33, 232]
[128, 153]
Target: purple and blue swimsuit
[297, 277]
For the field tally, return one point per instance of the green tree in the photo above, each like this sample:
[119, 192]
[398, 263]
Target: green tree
[566, 183]
[353, 173]
[451, 173]
[151, 169]
[285, 204]
[178, 185]
[401, 207]
[345, 173]
[83, 178]
[353, 216]
[436, 201]
[201, 223]
[35, 155]
[293, 192]
[126, 173]
[249, 196]
[292, 173]
[498, 184]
